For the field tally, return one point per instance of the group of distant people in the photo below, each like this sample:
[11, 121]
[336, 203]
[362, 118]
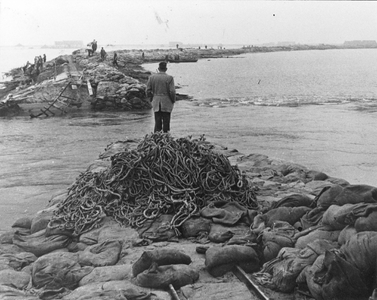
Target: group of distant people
[93, 48]
[33, 70]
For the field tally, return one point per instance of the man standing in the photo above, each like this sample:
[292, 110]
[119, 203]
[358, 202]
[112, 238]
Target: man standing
[115, 59]
[161, 88]
[103, 53]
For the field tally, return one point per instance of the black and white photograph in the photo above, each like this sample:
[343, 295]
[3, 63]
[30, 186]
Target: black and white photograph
[188, 150]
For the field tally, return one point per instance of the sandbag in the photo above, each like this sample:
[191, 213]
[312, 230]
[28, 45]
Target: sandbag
[39, 244]
[303, 241]
[276, 238]
[160, 257]
[92, 237]
[290, 262]
[14, 278]
[331, 218]
[158, 230]
[316, 186]
[314, 287]
[9, 293]
[16, 261]
[226, 213]
[7, 237]
[220, 233]
[361, 251]
[195, 226]
[351, 194]
[220, 260]
[54, 227]
[368, 223]
[117, 232]
[294, 200]
[316, 175]
[346, 234]
[161, 276]
[56, 270]
[10, 248]
[40, 221]
[24, 222]
[312, 218]
[127, 288]
[100, 255]
[354, 211]
[287, 214]
[343, 281]
[109, 273]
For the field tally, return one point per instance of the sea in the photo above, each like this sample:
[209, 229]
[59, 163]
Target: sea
[316, 108]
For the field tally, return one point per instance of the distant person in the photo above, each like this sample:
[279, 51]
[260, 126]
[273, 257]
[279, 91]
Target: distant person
[115, 59]
[94, 46]
[44, 57]
[103, 53]
[161, 90]
[142, 55]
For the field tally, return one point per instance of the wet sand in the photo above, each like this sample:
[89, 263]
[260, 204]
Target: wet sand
[336, 139]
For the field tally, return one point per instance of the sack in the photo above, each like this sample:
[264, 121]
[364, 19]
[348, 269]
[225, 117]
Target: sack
[340, 279]
[159, 257]
[193, 227]
[13, 278]
[331, 236]
[158, 230]
[56, 270]
[221, 234]
[346, 234]
[109, 273]
[160, 277]
[226, 213]
[100, 255]
[220, 260]
[114, 290]
[39, 244]
[16, 261]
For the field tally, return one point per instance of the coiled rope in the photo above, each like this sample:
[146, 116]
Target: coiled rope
[162, 175]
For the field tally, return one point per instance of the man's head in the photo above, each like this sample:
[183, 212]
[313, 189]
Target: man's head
[162, 66]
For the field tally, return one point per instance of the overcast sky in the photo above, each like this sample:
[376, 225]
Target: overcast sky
[41, 22]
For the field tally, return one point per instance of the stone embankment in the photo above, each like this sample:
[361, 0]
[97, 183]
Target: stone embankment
[98, 84]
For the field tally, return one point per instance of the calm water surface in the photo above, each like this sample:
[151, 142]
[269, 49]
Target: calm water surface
[303, 77]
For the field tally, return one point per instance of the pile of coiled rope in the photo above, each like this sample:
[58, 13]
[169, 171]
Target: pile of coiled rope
[162, 175]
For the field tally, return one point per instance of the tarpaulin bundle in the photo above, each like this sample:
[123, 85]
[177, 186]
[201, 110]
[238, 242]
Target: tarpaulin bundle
[162, 175]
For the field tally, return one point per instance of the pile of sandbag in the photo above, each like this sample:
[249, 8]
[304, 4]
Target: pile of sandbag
[333, 256]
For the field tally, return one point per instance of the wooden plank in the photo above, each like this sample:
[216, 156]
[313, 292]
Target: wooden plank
[90, 90]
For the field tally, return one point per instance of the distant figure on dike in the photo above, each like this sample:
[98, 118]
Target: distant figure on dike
[161, 90]
[115, 59]
[44, 57]
[103, 53]
[94, 46]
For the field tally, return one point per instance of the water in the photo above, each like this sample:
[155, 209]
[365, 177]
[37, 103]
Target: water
[278, 78]
[42, 157]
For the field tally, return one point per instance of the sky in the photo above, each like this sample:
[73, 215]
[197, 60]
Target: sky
[121, 22]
